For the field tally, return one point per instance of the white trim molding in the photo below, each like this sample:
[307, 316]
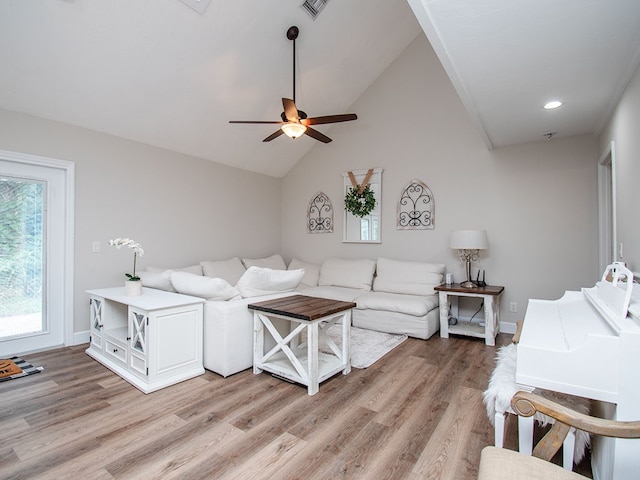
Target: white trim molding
[68, 169]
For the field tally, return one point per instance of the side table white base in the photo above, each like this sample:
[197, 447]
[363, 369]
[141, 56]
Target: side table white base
[302, 362]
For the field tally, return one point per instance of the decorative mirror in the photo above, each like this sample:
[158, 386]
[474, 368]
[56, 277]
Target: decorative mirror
[320, 214]
[366, 228]
[416, 207]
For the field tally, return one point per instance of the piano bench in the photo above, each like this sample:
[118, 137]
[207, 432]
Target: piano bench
[502, 387]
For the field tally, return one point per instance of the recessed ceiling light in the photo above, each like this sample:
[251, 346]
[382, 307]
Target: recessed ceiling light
[552, 105]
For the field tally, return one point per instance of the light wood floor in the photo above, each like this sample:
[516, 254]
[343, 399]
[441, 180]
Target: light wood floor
[415, 414]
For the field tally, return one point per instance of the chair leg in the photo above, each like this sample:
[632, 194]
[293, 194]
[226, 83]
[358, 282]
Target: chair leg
[525, 435]
[499, 422]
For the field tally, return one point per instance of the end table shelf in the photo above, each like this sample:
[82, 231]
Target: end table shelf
[490, 294]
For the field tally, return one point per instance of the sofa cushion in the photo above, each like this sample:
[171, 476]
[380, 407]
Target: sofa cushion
[311, 272]
[416, 305]
[195, 269]
[274, 262]
[230, 270]
[203, 287]
[258, 281]
[413, 278]
[335, 293]
[341, 272]
[158, 280]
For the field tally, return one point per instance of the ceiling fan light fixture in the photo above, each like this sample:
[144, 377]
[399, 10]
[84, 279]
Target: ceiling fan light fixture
[552, 105]
[293, 129]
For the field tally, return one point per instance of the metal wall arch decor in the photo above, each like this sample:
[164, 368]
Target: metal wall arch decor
[416, 207]
[320, 214]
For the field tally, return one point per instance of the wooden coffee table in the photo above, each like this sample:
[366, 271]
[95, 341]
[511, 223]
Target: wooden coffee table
[295, 357]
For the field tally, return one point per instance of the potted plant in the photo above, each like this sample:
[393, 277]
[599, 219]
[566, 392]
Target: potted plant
[133, 285]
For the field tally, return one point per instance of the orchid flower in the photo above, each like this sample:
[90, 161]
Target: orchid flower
[137, 250]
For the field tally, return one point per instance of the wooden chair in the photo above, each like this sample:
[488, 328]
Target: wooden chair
[502, 464]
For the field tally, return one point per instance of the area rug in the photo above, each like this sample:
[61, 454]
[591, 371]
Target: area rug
[367, 346]
[19, 369]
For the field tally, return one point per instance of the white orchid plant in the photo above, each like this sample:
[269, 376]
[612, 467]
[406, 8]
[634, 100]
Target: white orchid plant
[137, 250]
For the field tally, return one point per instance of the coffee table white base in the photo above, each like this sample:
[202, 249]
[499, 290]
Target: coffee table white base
[301, 362]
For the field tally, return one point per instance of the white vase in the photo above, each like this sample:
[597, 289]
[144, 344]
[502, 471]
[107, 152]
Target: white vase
[133, 288]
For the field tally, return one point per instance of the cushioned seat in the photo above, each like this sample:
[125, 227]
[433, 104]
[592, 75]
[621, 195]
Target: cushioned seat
[502, 464]
[334, 293]
[395, 302]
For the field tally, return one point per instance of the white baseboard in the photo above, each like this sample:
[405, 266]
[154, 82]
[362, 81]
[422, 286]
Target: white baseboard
[80, 338]
[507, 327]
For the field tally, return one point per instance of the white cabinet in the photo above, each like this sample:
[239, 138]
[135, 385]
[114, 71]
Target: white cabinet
[153, 340]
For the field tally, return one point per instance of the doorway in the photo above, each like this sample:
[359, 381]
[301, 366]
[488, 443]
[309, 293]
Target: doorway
[36, 253]
[607, 207]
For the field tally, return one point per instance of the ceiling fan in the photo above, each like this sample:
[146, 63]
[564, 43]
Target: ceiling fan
[295, 122]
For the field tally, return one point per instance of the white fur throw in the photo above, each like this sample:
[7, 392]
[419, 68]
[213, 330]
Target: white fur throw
[502, 387]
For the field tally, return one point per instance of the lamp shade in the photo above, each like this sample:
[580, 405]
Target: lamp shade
[293, 129]
[469, 240]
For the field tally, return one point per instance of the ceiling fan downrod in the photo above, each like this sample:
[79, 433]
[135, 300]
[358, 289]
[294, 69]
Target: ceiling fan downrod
[292, 34]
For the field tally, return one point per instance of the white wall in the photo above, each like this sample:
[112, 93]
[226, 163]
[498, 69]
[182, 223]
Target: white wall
[623, 130]
[538, 201]
[181, 209]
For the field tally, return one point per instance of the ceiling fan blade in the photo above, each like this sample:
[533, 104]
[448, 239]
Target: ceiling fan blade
[290, 110]
[275, 134]
[347, 117]
[317, 135]
[255, 121]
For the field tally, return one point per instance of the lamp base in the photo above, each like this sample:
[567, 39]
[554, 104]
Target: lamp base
[468, 283]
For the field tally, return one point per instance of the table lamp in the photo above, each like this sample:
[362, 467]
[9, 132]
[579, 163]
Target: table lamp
[469, 243]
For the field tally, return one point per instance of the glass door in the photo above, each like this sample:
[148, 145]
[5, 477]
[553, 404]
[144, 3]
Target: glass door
[36, 253]
[22, 311]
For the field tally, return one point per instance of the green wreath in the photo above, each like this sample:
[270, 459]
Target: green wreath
[360, 204]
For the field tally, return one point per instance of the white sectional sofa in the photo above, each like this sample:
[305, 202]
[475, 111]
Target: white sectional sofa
[391, 296]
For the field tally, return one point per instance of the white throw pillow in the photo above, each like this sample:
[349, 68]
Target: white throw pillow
[274, 262]
[311, 271]
[159, 280]
[195, 269]
[341, 272]
[412, 278]
[231, 270]
[203, 287]
[258, 281]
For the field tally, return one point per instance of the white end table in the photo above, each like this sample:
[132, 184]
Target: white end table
[490, 294]
[302, 362]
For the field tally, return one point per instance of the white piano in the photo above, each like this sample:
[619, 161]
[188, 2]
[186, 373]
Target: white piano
[587, 343]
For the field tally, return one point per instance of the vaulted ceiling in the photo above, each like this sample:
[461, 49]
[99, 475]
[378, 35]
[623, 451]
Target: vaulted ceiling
[161, 73]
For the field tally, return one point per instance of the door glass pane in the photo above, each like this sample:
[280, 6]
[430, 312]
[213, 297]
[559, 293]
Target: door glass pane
[21, 257]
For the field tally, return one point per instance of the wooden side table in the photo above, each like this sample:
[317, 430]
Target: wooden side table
[490, 294]
[301, 362]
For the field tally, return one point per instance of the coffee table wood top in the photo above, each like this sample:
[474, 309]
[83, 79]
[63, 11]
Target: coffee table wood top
[302, 307]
